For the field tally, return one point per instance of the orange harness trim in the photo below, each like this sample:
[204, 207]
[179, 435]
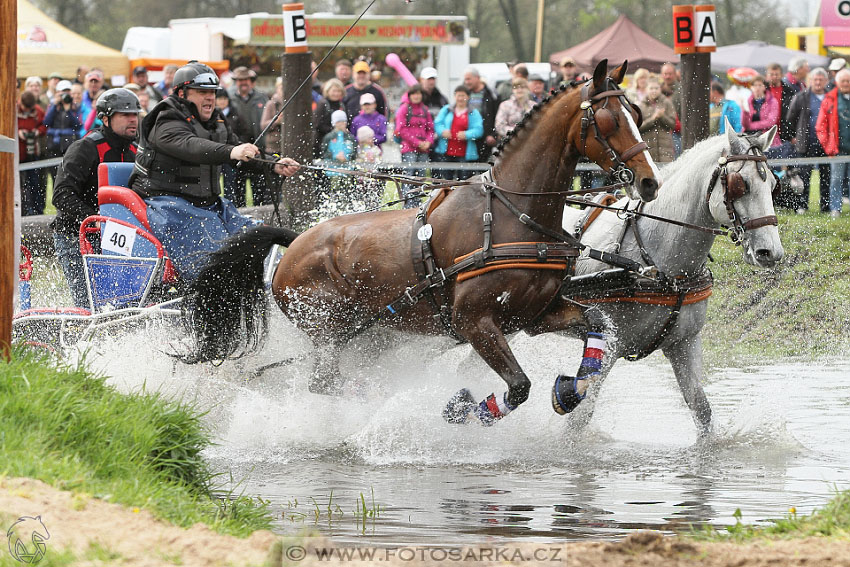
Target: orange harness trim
[652, 298]
[607, 201]
[512, 265]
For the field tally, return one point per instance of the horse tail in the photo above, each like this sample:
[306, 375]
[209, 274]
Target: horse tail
[224, 309]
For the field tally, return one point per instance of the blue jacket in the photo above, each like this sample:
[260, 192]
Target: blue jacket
[444, 122]
[732, 111]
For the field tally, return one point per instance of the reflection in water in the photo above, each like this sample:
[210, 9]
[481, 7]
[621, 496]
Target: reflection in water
[533, 475]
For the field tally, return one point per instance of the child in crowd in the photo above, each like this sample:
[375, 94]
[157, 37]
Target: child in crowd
[339, 147]
[369, 116]
[368, 158]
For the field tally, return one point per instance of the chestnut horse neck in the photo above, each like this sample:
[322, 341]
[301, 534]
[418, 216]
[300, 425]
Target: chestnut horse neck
[538, 156]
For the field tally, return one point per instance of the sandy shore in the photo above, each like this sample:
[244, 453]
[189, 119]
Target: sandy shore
[100, 533]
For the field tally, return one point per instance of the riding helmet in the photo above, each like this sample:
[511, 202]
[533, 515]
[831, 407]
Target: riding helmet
[195, 75]
[117, 100]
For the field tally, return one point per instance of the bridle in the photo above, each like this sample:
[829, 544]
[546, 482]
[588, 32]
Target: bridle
[605, 124]
[735, 186]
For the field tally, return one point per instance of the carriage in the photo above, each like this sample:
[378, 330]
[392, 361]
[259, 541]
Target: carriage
[130, 280]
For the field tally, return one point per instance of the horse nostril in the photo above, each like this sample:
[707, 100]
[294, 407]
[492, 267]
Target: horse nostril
[649, 184]
[649, 188]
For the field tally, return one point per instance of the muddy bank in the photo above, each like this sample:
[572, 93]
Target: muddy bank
[100, 533]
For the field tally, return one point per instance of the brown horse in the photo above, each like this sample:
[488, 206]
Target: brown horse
[342, 274]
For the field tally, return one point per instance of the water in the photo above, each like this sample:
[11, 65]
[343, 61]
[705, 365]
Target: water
[780, 441]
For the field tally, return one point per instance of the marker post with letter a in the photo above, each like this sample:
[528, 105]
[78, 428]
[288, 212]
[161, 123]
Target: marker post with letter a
[695, 37]
[297, 134]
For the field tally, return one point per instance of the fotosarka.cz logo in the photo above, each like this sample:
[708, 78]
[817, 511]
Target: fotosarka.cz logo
[26, 539]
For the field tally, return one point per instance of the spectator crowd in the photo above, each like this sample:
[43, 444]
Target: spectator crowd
[353, 121]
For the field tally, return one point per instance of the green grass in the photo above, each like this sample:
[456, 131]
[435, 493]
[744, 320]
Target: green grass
[797, 309]
[833, 520]
[70, 429]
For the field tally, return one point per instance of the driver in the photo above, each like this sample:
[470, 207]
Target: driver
[183, 143]
[75, 193]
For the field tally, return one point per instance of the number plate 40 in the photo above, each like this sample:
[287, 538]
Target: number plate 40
[118, 238]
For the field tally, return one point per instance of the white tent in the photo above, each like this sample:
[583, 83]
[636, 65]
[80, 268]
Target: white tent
[45, 46]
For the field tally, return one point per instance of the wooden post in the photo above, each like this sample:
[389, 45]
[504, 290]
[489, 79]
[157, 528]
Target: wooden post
[538, 39]
[297, 134]
[696, 79]
[8, 127]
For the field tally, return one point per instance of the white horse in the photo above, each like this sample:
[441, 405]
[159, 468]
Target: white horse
[680, 251]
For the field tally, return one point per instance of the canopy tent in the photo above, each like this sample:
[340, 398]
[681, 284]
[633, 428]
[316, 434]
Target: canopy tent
[45, 46]
[758, 55]
[623, 40]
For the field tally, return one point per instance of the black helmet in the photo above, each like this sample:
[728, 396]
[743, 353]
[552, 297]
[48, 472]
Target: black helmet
[117, 100]
[194, 75]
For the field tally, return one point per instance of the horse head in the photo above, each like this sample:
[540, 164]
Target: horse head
[744, 199]
[608, 133]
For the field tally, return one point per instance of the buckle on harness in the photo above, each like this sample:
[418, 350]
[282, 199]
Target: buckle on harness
[438, 277]
[524, 218]
[488, 217]
[410, 298]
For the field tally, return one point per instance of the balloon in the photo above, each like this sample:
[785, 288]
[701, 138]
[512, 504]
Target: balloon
[394, 62]
[741, 76]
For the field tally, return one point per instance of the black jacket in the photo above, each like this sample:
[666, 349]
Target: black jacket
[798, 118]
[180, 155]
[435, 101]
[75, 191]
[786, 128]
[489, 108]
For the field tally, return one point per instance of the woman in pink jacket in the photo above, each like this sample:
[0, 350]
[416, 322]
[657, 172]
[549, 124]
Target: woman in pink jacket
[762, 110]
[415, 127]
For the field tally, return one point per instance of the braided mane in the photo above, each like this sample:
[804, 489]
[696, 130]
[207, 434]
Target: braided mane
[529, 116]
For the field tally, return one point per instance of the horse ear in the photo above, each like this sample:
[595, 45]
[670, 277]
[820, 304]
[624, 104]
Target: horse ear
[731, 137]
[619, 73]
[766, 139]
[599, 75]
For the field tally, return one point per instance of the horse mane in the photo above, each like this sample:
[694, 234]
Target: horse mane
[687, 178]
[528, 117]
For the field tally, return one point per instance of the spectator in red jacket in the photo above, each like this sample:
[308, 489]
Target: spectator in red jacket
[833, 129]
[31, 130]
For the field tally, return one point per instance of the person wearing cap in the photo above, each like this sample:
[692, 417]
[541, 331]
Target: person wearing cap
[835, 66]
[63, 121]
[338, 148]
[369, 116]
[52, 80]
[342, 72]
[75, 190]
[93, 86]
[431, 95]
[140, 77]
[569, 69]
[249, 103]
[536, 87]
[182, 144]
[363, 84]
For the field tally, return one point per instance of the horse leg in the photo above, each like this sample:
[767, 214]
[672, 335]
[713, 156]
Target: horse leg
[490, 343]
[569, 391]
[686, 358]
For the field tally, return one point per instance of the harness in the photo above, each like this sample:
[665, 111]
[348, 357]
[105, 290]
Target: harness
[735, 186]
[617, 286]
[604, 125]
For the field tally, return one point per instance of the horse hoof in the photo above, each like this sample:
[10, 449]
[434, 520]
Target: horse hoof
[459, 407]
[565, 398]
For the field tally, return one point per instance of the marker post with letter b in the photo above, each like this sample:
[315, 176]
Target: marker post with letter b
[695, 37]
